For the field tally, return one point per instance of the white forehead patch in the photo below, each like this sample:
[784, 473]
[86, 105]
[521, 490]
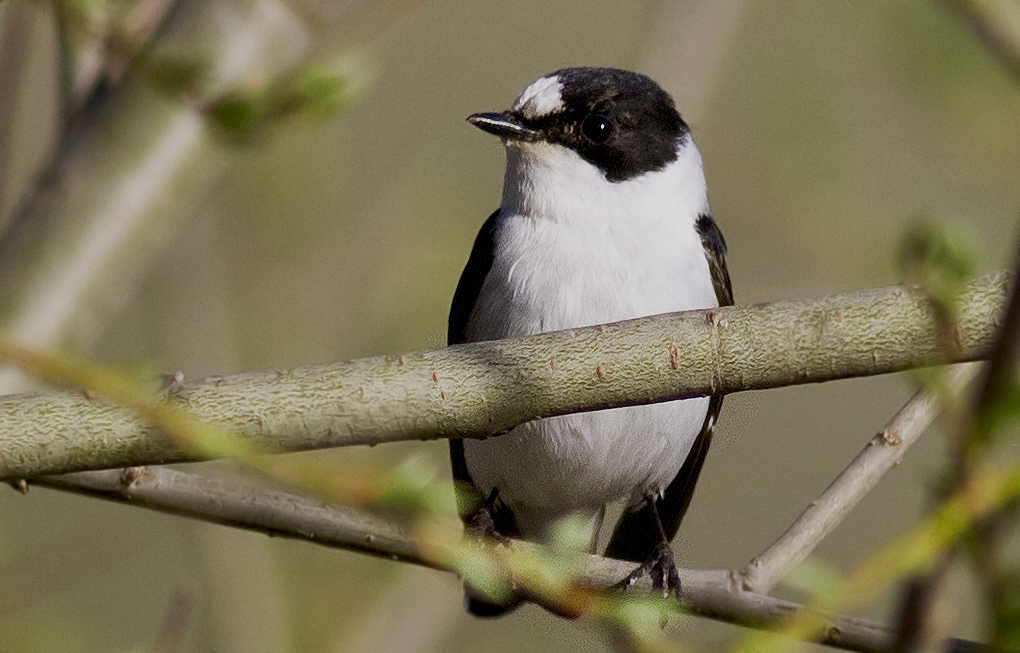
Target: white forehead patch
[542, 98]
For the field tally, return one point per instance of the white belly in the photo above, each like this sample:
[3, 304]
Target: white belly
[548, 276]
[548, 468]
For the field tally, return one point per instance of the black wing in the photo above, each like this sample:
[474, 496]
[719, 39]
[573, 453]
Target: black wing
[470, 284]
[715, 252]
[471, 280]
[636, 534]
[471, 505]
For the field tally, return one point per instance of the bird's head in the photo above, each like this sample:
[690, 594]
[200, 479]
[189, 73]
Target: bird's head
[619, 121]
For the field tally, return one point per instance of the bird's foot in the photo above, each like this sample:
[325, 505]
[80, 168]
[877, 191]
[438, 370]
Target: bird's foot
[480, 524]
[661, 568]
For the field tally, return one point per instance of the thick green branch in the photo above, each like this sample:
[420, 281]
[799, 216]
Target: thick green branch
[483, 389]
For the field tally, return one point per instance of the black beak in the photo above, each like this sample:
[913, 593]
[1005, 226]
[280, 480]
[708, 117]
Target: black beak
[505, 125]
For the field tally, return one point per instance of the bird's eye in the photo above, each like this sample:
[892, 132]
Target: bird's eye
[597, 129]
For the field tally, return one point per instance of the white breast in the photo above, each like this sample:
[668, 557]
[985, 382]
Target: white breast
[574, 250]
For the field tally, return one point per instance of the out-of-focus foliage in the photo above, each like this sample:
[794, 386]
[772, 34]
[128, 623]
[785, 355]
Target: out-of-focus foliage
[939, 258]
[313, 91]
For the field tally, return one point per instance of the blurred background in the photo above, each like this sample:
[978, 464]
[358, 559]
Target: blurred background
[826, 128]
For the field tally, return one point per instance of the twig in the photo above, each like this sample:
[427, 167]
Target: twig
[972, 441]
[243, 505]
[917, 629]
[119, 182]
[170, 638]
[881, 454]
[997, 23]
[1001, 371]
[711, 594]
[482, 389]
[14, 43]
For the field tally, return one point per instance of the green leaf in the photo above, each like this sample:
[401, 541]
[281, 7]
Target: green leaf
[239, 115]
[314, 92]
[941, 257]
[816, 577]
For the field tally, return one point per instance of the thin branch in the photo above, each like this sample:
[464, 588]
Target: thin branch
[973, 437]
[244, 505]
[918, 628]
[711, 594]
[483, 389]
[14, 44]
[882, 453]
[99, 40]
[118, 186]
[1000, 374]
[997, 24]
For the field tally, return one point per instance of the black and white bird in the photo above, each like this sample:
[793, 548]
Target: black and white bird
[604, 218]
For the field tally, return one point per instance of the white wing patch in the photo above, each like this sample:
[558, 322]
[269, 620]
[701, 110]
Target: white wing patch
[542, 98]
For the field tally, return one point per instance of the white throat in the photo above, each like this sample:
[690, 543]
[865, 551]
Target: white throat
[550, 181]
[574, 249]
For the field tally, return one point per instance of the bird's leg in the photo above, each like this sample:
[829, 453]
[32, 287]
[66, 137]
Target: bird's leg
[479, 522]
[660, 565]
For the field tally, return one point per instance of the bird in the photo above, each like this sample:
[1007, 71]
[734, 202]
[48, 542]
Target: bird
[604, 217]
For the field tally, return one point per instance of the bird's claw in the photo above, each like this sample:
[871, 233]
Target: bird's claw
[661, 568]
[480, 524]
